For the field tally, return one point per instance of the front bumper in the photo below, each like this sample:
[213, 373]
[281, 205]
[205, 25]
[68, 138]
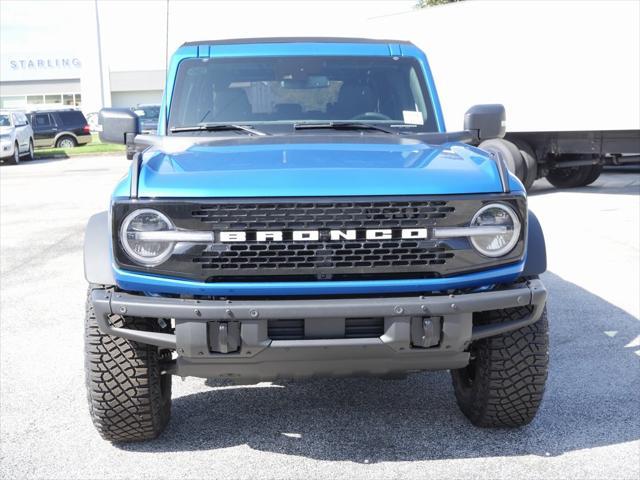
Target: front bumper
[258, 357]
[83, 139]
[6, 149]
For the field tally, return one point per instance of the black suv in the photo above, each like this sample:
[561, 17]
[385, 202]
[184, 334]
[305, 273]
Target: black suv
[59, 128]
[148, 115]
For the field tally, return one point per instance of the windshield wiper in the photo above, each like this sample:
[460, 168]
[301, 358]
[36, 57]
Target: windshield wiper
[342, 126]
[218, 127]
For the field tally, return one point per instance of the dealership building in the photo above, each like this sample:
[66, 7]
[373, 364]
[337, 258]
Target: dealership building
[32, 81]
[116, 53]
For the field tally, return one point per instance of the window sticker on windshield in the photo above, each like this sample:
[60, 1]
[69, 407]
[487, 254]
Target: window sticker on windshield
[414, 118]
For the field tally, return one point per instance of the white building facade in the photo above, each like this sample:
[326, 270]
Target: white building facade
[115, 53]
[71, 80]
[30, 80]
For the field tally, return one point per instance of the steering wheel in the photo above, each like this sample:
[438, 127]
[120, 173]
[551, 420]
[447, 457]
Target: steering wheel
[371, 116]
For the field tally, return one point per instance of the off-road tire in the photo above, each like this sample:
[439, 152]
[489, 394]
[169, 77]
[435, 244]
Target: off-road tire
[129, 398]
[504, 383]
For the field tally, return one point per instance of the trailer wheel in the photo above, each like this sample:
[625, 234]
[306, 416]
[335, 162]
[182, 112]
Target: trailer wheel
[596, 170]
[530, 163]
[571, 177]
[509, 152]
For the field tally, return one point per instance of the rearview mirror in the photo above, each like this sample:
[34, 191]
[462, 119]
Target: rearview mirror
[118, 125]
[486, 121]
[310, 82]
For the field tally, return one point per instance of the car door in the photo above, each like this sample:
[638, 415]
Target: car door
[44, 129]
[22, 134]
[27, 132]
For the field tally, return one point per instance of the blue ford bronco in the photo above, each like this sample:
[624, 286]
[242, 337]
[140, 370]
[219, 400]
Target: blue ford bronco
[302, 211]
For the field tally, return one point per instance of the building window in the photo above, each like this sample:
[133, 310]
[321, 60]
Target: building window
[52, 99]
[13, 101]
[35, 99]
[22, 101]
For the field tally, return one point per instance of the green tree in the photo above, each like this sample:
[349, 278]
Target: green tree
[432, 3]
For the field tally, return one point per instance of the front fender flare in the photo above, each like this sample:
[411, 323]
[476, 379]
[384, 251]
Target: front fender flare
[536, 262]
[97, 251]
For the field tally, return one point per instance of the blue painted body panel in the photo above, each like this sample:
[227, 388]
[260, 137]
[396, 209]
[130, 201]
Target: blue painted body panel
[317, 169]
[255, 167]
[123, 188]
[140, 282]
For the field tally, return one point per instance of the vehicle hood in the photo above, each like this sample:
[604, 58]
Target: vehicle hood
[362, 165]
[6, 130]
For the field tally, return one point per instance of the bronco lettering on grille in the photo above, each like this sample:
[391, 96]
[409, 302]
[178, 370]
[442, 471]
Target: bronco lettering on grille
[314, 235]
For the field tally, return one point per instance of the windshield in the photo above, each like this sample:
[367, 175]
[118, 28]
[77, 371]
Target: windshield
[279, 90]
[5, 121]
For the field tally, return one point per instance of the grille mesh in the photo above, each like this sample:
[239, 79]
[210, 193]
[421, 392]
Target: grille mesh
[325, 255]
[336, 215]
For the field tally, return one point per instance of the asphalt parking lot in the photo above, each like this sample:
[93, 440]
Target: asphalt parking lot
[588, 427]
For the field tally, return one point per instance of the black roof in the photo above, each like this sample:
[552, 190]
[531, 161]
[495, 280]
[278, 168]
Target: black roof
[51, 110]
[232, 41]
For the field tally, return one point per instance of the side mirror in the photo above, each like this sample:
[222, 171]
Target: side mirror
[486, 121]
[118, 125]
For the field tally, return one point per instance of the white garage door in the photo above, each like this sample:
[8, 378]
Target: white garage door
[133, 98]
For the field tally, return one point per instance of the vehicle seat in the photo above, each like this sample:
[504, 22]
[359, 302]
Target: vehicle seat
[353, 100]
[230, 104]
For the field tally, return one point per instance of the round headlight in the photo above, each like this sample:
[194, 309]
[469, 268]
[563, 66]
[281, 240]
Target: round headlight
[139, 238]
[504, 237]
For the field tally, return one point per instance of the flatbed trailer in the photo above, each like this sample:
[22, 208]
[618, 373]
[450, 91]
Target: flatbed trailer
[573, 158]
[567, 72]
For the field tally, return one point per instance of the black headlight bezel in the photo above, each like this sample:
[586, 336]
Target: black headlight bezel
[136, 258]
[517, 227]
[184, 264]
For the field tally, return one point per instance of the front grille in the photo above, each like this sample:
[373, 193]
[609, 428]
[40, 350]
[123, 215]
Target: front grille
[325, 258]
[325, 255]
[311, 215]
